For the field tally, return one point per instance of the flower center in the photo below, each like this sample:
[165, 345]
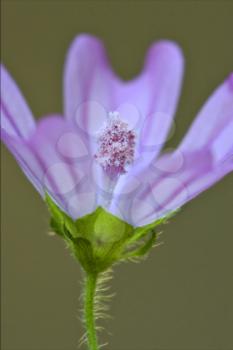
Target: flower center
[116, 146]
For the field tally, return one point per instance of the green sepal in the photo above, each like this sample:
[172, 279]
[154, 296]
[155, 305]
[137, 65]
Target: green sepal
[109, 254]
[83, 251]
[100, 239]
[60, 222]
[143, 249]
[107, 234]
[55, 226]
[103, 227]
[142, 231]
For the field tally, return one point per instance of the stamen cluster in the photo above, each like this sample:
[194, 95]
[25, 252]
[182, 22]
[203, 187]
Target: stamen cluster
[116, 146]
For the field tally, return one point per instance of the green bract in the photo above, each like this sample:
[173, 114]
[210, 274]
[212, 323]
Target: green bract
[100, 239]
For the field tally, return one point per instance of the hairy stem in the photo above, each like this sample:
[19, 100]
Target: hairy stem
[89, 312]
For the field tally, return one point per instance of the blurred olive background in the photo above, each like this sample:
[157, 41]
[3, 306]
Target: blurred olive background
[181, 298]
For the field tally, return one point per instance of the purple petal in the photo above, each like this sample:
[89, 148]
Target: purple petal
[155, 94]
[203, 158]
[167, 186]
[213, 127]
[17, 124]
[25, 158]
[16, 117]
[56, 160]
[64, 167]
[81, 204]
[157, 88]
[87, 75]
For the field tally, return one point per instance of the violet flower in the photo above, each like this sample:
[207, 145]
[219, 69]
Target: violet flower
[105, 152]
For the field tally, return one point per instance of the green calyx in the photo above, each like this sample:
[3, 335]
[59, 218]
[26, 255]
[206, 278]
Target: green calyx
[100, 239]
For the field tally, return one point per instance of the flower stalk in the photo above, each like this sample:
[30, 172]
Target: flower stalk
[89, 310]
